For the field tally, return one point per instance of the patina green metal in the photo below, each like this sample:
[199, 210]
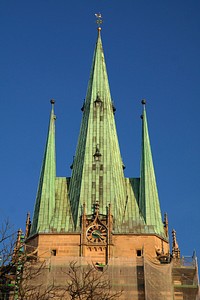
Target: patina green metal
[52, 209]
[45, 200]
[62, 219]
[148, 200]
[98, 168]
[97, 172]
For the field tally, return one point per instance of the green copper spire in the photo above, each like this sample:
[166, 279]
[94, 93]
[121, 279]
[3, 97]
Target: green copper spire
[148, 200]
[45, 200]
[97, 174]
[97, 171]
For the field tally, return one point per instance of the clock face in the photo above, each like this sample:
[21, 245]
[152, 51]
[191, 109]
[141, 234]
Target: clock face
[96, 233]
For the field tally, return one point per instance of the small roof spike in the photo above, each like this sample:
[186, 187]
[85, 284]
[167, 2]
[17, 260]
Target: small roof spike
[143, 102]
[175, 247]
[52, 101]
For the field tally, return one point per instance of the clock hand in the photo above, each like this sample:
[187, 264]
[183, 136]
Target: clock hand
[97, 234]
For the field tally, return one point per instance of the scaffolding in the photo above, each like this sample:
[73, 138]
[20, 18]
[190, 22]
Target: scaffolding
[140, 278]
[185, 278]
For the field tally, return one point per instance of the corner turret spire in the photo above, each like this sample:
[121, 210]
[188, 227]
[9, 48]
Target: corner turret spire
[148, 200]
[45, 200]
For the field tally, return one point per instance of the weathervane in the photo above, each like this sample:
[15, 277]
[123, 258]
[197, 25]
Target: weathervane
[99, 20]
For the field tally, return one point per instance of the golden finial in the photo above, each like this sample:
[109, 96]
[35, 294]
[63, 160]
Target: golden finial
[99, 21]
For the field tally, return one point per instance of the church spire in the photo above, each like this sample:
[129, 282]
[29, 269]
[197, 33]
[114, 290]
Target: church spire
[45, 200]
[148, 200]
[97, 174]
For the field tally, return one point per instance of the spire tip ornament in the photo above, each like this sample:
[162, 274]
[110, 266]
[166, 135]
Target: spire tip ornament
[99, 21]
[143, 102]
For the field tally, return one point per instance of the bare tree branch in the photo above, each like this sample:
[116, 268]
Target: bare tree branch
[87, 283]
[24, 277]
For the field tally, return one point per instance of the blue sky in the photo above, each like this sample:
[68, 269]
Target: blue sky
[152, 52]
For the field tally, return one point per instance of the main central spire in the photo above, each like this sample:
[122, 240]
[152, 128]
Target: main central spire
[97, 175]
